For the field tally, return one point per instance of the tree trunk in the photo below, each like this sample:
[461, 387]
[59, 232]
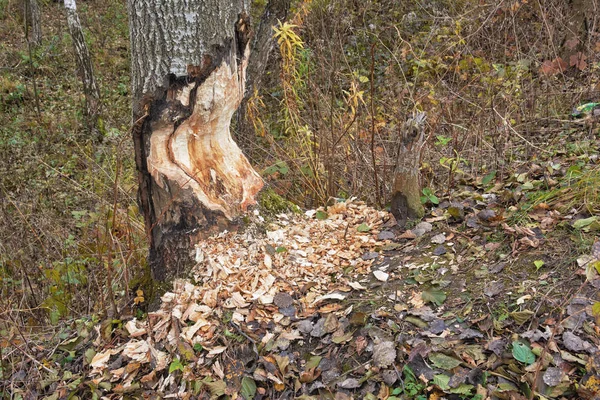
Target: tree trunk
[262, 46]
[188, 71]
[406, 197]
[580, 22]
[34, 17]
[86, 72]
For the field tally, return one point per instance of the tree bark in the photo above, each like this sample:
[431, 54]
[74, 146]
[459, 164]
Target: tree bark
[189, 60]
[34, 17]
[581, 17]
[86, 72]
[406, 197]
[262, 47]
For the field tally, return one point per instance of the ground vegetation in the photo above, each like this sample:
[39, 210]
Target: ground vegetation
[324, 295]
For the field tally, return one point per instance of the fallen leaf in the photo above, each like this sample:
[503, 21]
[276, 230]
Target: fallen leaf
[521, 300]
[363, 228]
[575, 343]
[521, 352]
[381, 275]
[521, 317]
[439, 239]
[384, 354]
[330, 296]
[248, 390]
[441, 360]
[553, 376]
[349, 383]
[434, 296]
[493, 288]
[356, 286]
[578, 60]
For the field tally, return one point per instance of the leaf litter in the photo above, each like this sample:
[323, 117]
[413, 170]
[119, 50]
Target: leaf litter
[308, 306]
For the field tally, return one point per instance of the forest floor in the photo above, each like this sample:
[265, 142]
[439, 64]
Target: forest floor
[493, 295]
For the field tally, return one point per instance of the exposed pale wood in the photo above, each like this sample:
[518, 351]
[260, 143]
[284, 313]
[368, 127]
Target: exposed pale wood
[188, 68]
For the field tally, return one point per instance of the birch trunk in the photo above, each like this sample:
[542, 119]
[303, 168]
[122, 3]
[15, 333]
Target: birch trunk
[188, 71]
[34, 16]
[86, 72]
[406, 198]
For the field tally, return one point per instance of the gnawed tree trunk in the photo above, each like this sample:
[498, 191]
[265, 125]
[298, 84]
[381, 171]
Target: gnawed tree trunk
[85, 71]
[406, 194]
[262, 46]
[188, 71]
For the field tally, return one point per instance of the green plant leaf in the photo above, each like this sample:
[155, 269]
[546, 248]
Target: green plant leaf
[506, 387]
[527, 185]
[175, 365]
[363, 228]
[582, 223]
[596, 265]
[440, 360]
[90, 353]
[270, 170]
[279, 166]
[521, 352]
[488, 178]
[538, 264]
[596, 309]
[441, 381]
[313, 362]
[584, 109]
[428, 195]
[521, 177]
[442, 140]
[322, 215]
[435, 296]
[462, 389]
[248, 388]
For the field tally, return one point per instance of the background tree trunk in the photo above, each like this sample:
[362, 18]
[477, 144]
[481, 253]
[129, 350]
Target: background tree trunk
[34, 17]
[406, 197]
[262, 46]
[188, 71]
[86, 72]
